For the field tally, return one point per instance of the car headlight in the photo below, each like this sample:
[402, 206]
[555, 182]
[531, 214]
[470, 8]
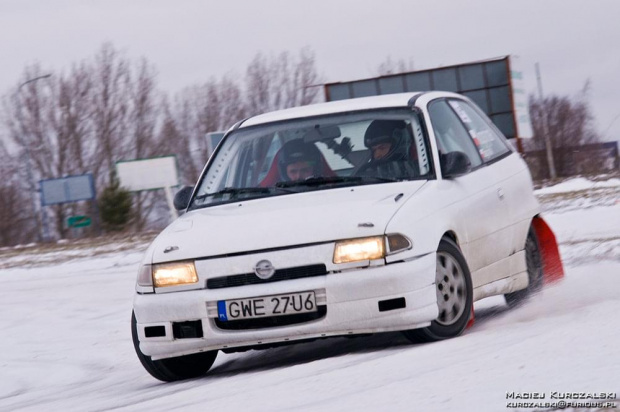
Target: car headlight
[368, 248]
[175, 273]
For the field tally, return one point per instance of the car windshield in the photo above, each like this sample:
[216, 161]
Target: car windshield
[319, 153]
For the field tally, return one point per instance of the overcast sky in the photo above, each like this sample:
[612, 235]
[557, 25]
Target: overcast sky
[192, 40]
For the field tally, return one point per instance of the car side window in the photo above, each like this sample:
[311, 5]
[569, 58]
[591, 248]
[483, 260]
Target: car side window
[450, 133]
[489, 144]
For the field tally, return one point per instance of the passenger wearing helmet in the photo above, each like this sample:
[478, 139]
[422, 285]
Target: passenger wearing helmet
[388, 142]
[299, 161]
[386, 139]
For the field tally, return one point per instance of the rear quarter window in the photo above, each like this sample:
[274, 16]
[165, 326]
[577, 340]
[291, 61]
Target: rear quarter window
[488, 142]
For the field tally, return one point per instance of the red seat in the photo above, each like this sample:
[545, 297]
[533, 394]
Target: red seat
[273, 175]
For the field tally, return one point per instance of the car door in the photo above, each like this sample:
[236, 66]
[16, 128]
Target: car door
[477, 204]
[513, 181]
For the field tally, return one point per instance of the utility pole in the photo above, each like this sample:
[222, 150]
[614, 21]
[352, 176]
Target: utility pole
[26, 152]
[545, 126]
[611, 124]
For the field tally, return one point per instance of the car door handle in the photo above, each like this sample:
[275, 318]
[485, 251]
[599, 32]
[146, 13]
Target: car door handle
[500, 193]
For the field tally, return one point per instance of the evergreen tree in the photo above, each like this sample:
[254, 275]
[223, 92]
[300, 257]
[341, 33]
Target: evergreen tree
[114, 206]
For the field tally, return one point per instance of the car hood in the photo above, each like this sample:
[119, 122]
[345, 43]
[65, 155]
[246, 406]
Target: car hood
[281, 221]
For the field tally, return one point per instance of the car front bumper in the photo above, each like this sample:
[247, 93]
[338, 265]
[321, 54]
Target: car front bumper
[351, 299]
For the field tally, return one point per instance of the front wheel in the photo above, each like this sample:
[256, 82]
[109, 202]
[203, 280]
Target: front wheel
[454, 296]
[173, 369]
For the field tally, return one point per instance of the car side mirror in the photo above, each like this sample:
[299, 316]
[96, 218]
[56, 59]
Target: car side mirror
[454, 164]
[181, 199]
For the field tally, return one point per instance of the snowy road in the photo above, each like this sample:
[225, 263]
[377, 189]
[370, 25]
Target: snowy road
[66, 345]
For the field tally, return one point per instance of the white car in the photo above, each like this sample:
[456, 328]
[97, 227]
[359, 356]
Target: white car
[387, 213]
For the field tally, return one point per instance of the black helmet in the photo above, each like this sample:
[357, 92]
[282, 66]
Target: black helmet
[295, 151]
[388, 131]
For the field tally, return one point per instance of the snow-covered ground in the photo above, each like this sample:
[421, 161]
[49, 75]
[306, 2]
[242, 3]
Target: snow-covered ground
[65, 339]
[578, 184]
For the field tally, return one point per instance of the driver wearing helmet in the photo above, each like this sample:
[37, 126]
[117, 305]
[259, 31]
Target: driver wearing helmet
[388, 143]
[299, 161]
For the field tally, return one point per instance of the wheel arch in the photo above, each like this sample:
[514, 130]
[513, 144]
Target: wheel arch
[451, 234]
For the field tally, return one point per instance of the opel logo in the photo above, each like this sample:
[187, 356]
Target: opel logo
[264, 269]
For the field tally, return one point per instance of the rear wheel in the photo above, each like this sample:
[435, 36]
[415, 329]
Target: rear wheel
[173, 369]
[534, 272]
[454, 296]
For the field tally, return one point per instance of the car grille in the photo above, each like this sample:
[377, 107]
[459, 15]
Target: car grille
[271, 322]
[280, 275]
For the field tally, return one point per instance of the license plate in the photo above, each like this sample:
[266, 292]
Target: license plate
[265, 306]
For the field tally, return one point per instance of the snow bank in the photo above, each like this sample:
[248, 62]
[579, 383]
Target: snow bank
[577, 184]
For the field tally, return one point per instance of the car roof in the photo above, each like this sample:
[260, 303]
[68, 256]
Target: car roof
[340, 106]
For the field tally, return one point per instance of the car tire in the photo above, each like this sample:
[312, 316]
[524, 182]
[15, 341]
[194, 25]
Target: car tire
[454, 296]
[534, 272]
[173, 369]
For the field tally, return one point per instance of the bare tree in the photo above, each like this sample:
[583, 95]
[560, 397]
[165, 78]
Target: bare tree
[27, 120]
[70, 120]
[176, 135]
[106, 109]
[198, 110]
[390, 66]
[16, 222]
[29, 117]
[72, 149]
[126, 114]
[281, 82]
[570, 124]
[143, 119]
[109, 103]
[49, 121]
[85, 121]
[225, 105]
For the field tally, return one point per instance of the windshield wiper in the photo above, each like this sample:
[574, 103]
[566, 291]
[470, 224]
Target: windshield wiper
[314, 181]
[235, 191]
[318, 181]
[368, 179]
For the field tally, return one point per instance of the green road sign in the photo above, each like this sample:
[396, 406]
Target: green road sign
[78, 221]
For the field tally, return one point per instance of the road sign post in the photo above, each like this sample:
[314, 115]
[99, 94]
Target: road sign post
[78, 221]
[66, 189]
